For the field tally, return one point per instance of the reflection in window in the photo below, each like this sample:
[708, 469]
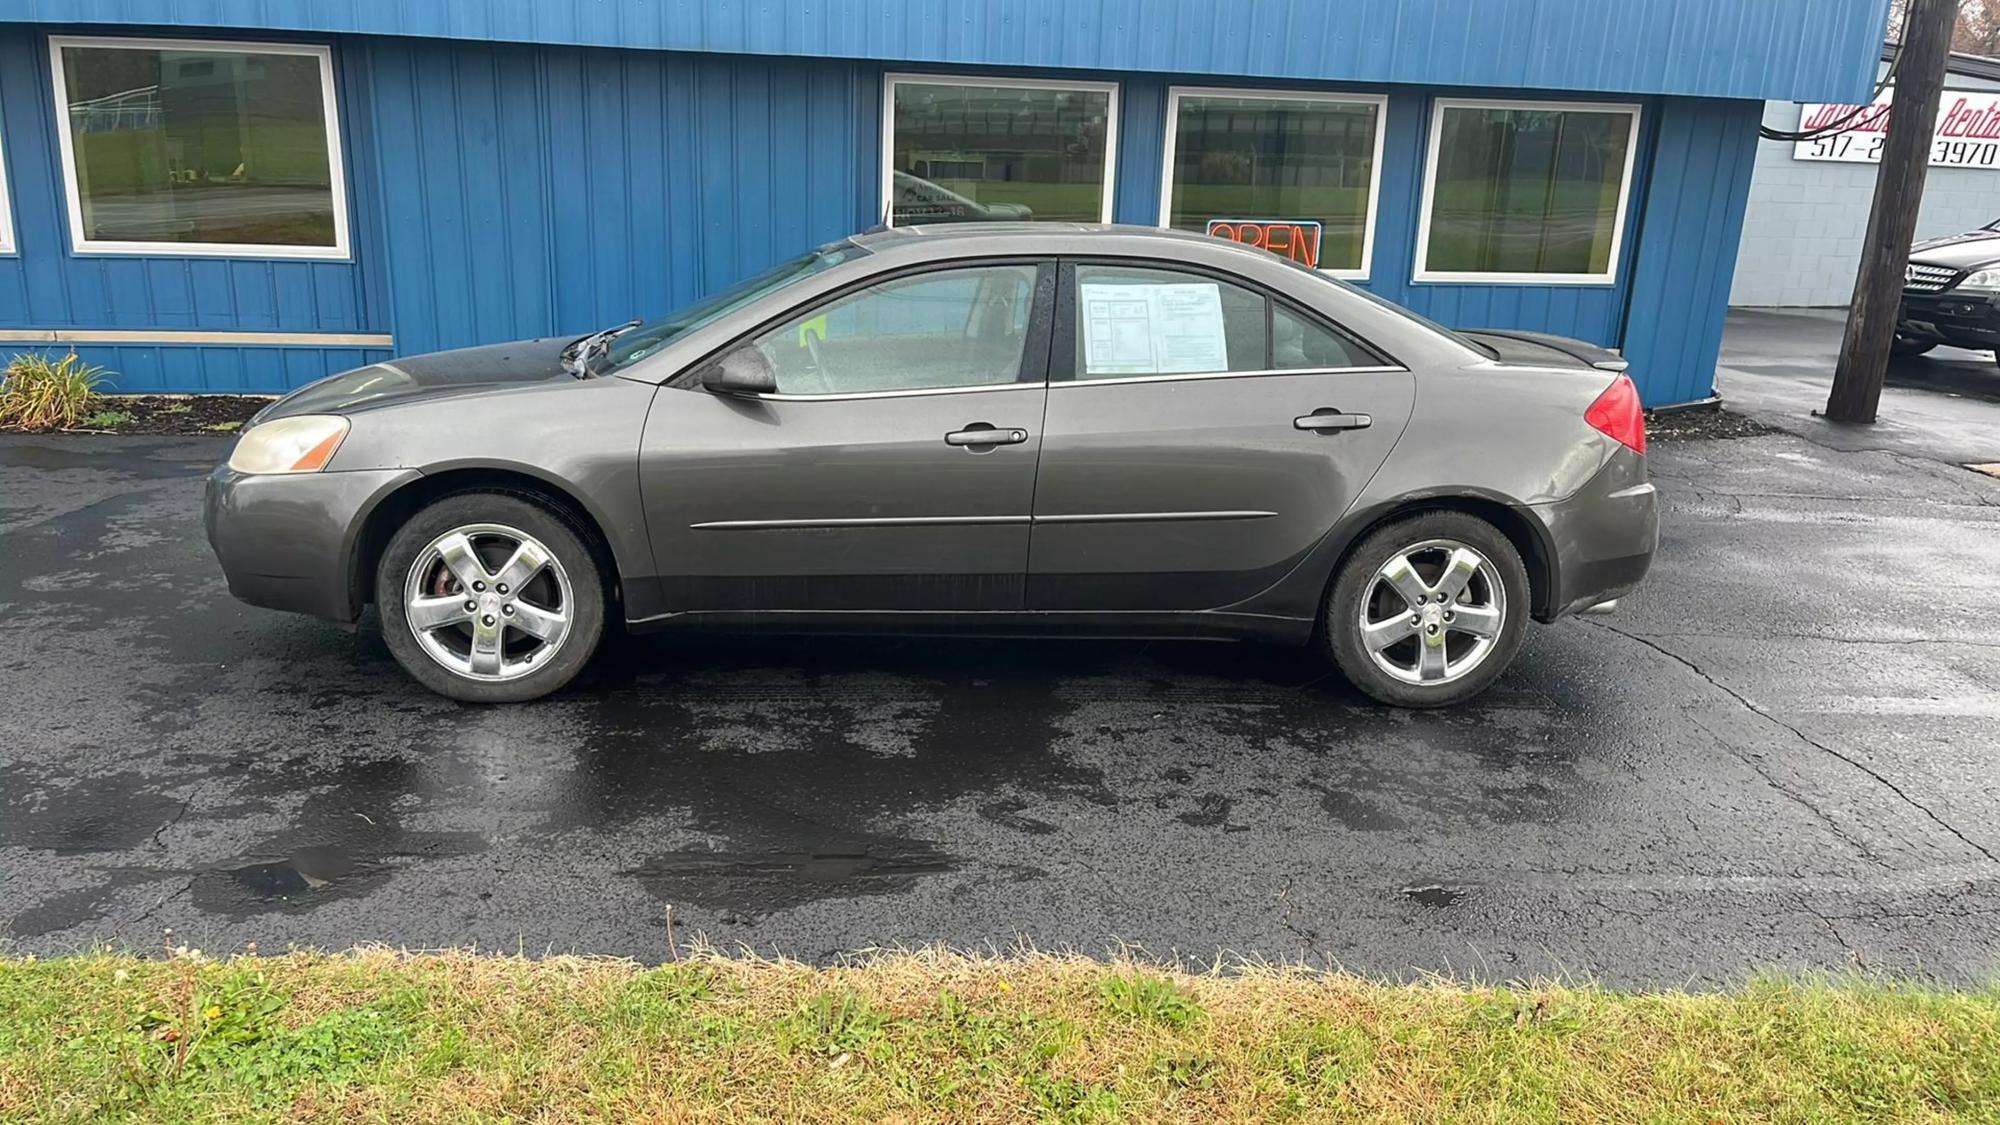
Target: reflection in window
[956, 328]
[966, 152]
[1528, 191]
[6, 211]
[193, 147]
[1300, 344]
[1267, 157]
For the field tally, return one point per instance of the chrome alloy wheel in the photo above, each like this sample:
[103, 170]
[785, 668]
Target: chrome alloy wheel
[488, 602]
[1432, 613]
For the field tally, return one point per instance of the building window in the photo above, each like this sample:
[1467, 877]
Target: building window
[1532, 193]
[1307, 165]
[179, 147]
[959, 150]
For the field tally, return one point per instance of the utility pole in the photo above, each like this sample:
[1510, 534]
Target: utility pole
[1892, 225]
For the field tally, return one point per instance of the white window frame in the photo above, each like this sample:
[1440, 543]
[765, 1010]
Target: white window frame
[1609, 277]
[891, 81]
[1380, 102]
[8, 247]
[340, 251]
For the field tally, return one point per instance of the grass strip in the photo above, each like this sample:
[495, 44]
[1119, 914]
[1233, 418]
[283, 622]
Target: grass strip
[381, 1036]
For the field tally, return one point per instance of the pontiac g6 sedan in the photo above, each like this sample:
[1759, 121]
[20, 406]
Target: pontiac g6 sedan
[1001, 428]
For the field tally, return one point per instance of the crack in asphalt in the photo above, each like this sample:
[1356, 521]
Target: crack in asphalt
[1757, 766]
[1971, 492]
[1801, 735]
[1839, 938]
[186, 804]
[1975, 489]
[1766, 634]
[1309, 936]
[1972, 500]
[157, 906]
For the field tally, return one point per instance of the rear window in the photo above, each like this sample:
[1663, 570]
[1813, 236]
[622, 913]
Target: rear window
[1459, 338]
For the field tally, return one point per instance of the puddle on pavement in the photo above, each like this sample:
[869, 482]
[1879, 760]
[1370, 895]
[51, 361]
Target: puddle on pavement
[71, 816]
[1433, 896]
[309, 869]
[344, 841]
[1358, 815]
[753, 884]
[1013, 814]
[67, 909]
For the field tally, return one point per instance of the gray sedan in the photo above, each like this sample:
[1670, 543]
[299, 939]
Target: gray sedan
[1002, 428]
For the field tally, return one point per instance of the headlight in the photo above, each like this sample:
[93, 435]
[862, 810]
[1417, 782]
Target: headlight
[1985, 281]
[300, 444]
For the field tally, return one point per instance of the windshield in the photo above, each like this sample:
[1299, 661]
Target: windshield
[635, 345]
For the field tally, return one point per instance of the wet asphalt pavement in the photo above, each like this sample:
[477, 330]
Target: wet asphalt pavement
[1784, 752]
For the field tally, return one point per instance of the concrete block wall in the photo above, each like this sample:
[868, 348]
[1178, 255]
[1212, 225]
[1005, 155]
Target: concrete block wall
[1802, 230]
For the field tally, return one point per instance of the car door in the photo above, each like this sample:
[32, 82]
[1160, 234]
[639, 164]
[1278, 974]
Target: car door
[1201, 436]
[893, 469]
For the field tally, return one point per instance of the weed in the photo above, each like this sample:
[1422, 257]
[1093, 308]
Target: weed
[1316, 1062]
[1073, 1101]
[832, 1024]
[1183, 1070]
[107, 420]
[40, 393]
[1148, 999]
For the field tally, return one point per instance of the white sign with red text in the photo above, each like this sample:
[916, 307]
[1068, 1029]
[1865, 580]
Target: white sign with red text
[1968, 131]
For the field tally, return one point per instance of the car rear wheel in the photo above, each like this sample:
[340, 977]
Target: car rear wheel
[1428, 611]
[1906, 345]
[490, 597]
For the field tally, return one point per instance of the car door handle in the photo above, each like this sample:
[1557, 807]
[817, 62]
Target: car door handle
[1324, 420]
[980, 434]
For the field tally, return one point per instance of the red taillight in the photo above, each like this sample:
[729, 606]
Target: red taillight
[1617, 415]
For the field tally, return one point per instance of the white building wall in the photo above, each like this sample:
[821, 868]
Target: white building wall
[1803, 226]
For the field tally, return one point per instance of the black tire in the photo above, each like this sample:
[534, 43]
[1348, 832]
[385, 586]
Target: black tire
[1340, 622]
[1904, 345]
[564, 541]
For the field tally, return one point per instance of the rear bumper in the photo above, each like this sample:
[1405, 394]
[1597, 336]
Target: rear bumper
[287, 542]
[1960, 320]
[1602, 538]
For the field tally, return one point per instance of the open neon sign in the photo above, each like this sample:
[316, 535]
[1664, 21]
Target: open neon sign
[1297, 239]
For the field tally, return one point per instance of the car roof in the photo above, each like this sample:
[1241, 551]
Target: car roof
[1032, 237]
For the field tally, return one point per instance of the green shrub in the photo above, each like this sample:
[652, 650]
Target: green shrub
[39, 393]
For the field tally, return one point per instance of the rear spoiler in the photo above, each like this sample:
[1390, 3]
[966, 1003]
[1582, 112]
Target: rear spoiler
[1604, 359]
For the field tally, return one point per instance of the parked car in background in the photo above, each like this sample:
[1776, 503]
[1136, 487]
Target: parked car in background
[1951, 294]
[1001, 428]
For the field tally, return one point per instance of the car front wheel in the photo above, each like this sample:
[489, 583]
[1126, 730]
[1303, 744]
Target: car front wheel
[490, 597]
[1428, 610]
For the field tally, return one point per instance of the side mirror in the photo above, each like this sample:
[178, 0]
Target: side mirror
[744, 371]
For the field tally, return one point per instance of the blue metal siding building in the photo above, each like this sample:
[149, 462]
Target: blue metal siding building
[528, 167]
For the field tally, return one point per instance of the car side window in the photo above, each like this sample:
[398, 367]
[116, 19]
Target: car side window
[1132, 322]
[1301, 344]
[952, 328]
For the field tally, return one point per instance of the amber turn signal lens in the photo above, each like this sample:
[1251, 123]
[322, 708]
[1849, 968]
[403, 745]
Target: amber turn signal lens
[317, 457]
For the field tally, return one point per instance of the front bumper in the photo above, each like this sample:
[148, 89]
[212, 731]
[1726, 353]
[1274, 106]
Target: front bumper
[1958, 319]
[1603, 537]
[287, 541]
